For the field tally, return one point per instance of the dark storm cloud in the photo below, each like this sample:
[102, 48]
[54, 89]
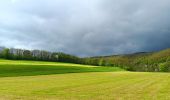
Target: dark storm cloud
[86, 27]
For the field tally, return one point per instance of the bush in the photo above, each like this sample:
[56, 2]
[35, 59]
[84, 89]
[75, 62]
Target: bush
[165, 67]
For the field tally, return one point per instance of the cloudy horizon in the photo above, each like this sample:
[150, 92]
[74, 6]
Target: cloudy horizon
[86, 27]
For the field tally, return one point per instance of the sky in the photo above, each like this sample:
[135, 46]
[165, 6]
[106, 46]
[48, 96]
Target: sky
[86, 27]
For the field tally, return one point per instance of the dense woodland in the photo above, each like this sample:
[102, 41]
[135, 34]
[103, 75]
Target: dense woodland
[152, 62]
[146, 62]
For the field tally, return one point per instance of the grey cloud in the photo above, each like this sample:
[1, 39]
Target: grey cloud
[85, 27]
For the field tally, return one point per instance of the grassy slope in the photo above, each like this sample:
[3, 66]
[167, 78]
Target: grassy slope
[95, 85]
[10, 68]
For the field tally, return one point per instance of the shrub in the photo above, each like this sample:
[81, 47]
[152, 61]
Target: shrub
[165, 67]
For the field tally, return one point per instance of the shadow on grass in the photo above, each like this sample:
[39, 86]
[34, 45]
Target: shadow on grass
[33, 70]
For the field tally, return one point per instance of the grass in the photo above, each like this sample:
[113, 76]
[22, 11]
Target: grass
[10, 68]
[28, 80]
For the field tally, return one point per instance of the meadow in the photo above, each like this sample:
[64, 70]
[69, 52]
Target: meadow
[38, 80]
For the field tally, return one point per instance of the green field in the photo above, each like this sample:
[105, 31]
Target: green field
[31, 80]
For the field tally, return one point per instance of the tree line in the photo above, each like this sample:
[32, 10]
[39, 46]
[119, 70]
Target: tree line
[39, 55]
[42, 55]
[145, 62]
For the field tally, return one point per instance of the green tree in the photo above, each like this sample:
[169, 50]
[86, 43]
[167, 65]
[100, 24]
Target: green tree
[27, 55]
[165, 67]
[6, 53]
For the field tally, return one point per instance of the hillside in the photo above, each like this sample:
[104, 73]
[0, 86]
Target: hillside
[142, 61]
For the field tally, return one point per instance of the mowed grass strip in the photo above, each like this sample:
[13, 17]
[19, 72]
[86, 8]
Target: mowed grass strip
[24, 62]
[87, 86]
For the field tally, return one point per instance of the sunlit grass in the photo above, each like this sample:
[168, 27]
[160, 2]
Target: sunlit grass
[10, 68]
[32, 81]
